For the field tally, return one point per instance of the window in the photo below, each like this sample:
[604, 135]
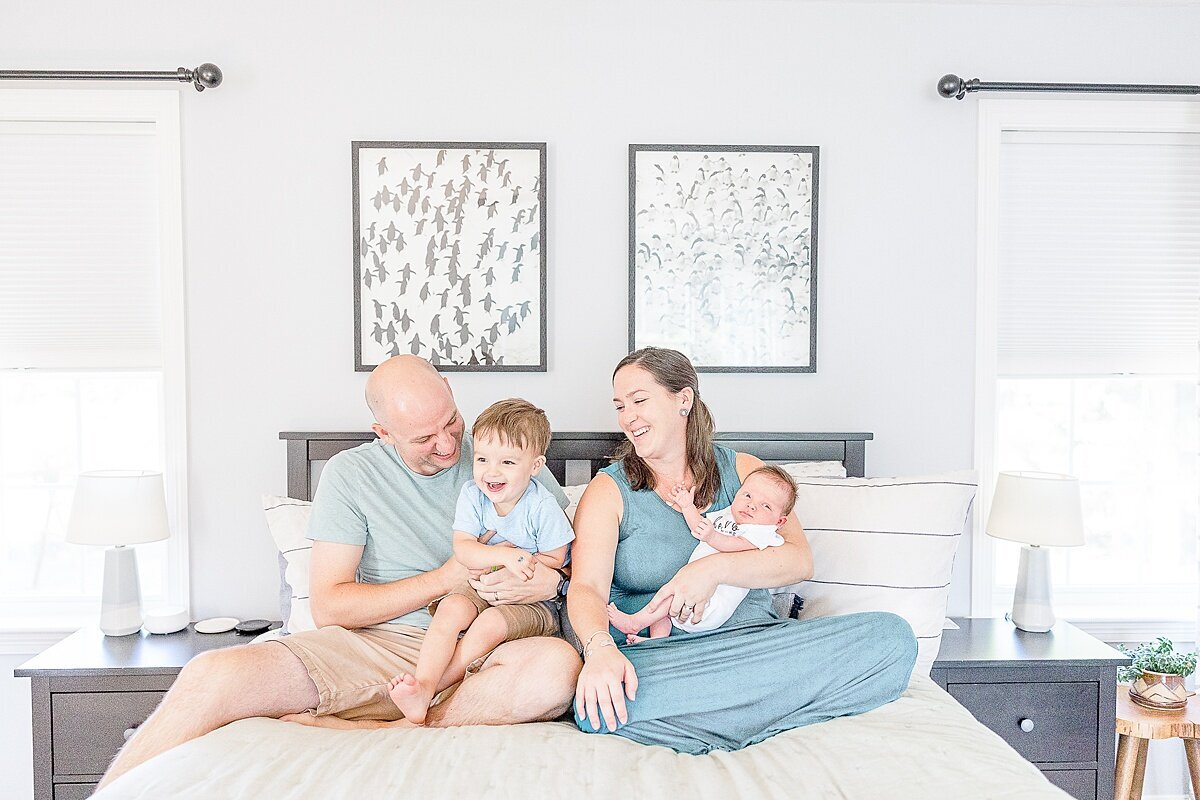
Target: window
[91, 336]
[1089, 324]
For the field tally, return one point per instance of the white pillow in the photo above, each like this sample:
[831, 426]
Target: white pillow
[287, 519]
[885, 544]
[573, 494]
[815, 469]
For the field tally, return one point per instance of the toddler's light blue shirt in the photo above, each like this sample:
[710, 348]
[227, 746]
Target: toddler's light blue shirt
[536, 524]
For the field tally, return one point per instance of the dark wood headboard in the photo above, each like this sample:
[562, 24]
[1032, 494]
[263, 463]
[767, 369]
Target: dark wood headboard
[594, 449]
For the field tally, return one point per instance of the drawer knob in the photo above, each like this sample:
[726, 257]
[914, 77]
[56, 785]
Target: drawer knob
[1026, 724]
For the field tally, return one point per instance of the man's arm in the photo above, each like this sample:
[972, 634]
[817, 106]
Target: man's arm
[337, 599]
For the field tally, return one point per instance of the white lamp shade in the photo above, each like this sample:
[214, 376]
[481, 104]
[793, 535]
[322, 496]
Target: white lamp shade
[1039, 508]
[118, 507]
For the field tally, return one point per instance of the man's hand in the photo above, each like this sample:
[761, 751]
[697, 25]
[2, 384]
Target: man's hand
[503, 587]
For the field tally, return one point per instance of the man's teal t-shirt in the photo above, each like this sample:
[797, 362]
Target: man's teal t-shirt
[368, 496]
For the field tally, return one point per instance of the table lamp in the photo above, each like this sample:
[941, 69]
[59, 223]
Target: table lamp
[1039, 510]
[119, 508]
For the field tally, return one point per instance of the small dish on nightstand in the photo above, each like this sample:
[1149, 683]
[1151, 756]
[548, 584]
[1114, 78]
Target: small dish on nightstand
[216, 625]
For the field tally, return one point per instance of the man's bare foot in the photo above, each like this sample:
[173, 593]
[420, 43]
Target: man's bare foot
[337, 723]
[410, 697]
[621, 621]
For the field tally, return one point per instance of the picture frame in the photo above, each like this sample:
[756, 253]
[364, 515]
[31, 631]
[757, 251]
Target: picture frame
[450, 254]
[723, 254]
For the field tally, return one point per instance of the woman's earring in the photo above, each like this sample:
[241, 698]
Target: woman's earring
[683, 412]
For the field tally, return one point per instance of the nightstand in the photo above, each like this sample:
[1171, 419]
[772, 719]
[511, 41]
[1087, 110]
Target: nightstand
[90, 691]
[1052, 696]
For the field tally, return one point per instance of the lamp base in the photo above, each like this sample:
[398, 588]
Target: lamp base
[1031, 609]
[121, 603]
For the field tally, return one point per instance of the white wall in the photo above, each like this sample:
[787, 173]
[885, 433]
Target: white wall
[16, 729]
[267, 196]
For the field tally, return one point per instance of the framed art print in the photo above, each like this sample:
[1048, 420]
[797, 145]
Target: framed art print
[723, 254]
[450, 254]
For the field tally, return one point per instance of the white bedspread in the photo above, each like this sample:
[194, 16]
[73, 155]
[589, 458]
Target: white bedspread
[923, 745]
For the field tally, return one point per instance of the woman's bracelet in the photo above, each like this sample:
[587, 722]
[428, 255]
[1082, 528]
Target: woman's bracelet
[587, 647]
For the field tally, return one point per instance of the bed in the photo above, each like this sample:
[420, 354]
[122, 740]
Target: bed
[923, 745]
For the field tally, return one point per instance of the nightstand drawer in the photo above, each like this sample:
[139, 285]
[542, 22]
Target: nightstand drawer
[1079, 783]
[73, 791]
[1064, 716]
[89, 727]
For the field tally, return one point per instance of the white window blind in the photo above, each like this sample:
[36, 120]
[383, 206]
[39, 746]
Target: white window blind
[79, 249]
[1099, 259]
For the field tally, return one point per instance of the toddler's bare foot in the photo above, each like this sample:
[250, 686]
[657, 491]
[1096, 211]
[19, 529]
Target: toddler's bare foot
[633, 638]
[410, 697]
[620, 620]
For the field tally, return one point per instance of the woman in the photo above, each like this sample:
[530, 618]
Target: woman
[756, 675]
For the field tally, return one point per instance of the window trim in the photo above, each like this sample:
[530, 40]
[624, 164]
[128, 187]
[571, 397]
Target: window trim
[160, 107]
[1045, 114]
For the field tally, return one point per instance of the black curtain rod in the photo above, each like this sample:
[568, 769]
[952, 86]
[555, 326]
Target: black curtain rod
[954, 86]
[205, 76]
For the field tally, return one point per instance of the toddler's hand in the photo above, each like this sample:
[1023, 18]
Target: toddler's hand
[683, 496]
[703, 530]
[519, 562]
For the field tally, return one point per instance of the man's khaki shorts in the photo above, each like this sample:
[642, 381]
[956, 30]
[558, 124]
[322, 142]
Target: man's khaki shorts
[352, 668]
[522, 620]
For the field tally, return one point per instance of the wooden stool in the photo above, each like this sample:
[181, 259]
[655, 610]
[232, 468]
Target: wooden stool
[1136, 726]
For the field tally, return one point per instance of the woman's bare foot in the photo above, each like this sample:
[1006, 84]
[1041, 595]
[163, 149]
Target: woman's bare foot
[621, 621]
[410, 697]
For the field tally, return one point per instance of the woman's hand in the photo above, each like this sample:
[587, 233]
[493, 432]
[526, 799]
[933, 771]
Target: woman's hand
[689, 591]
[607, 678]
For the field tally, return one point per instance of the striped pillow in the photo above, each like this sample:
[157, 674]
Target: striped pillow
[287, 519]
[885, 544]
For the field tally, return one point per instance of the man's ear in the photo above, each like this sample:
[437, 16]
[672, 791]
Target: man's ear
[381, 432]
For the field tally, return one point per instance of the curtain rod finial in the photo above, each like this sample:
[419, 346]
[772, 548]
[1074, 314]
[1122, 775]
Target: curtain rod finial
[205, 76]
[208, 76]
[951, 86]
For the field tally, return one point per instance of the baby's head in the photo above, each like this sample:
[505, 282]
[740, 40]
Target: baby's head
[766, 497]
[510, 440]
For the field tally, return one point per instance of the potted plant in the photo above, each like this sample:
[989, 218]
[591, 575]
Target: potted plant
[1157, 675]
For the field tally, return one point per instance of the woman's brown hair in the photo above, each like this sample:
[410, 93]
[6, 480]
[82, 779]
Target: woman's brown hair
[673, 371]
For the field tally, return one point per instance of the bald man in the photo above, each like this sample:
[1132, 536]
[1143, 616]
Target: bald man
[381, 525]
